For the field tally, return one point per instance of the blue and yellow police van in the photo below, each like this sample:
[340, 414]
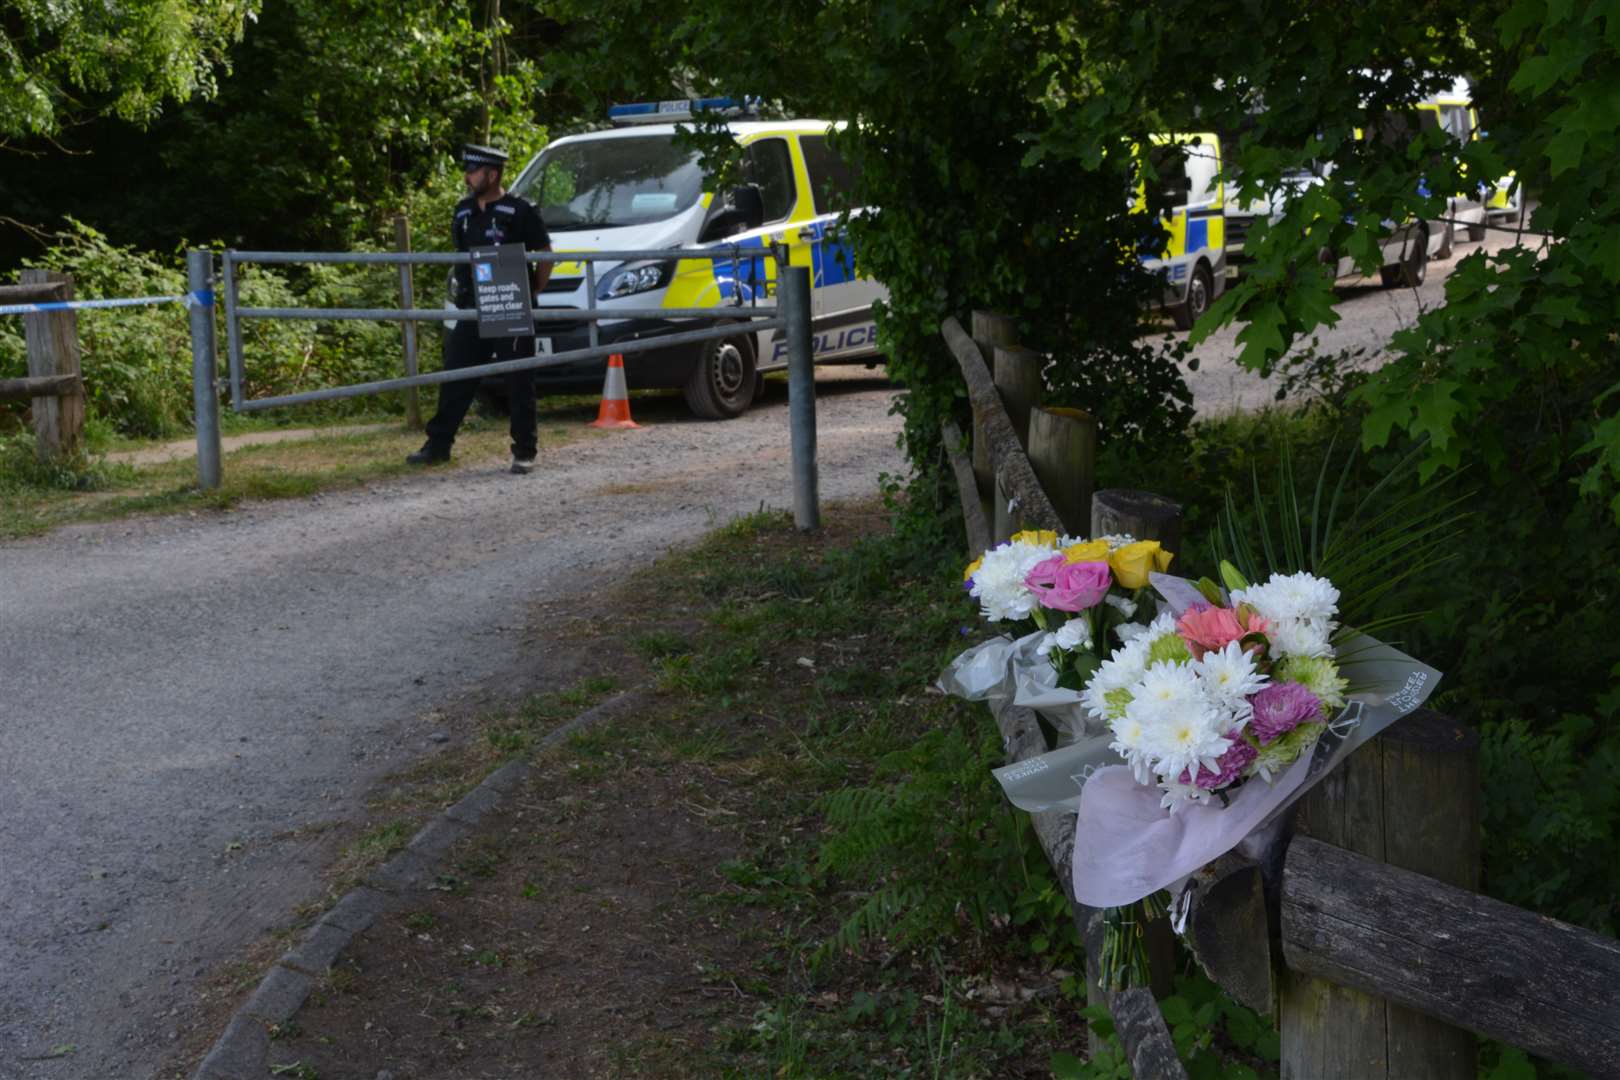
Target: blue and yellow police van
[637, 186]
[1187, 168]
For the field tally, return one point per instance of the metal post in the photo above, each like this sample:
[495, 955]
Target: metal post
[233, 329]
[407, 300]
[204, 391]
[590, 298]
[793, 295]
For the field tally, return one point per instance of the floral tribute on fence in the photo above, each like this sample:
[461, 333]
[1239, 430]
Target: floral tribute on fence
[1189, 716]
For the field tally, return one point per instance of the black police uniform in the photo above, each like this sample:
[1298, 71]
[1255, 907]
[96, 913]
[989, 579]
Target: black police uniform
[507, 220]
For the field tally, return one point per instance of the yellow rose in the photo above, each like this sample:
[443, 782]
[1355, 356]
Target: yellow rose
[1094, 551]
[1132, 563]
[973, 568]
[1042, 537]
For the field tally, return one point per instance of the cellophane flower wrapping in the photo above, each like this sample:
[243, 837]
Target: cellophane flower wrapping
[1224, 713]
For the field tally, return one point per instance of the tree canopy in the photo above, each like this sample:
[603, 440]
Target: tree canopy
[65, 60]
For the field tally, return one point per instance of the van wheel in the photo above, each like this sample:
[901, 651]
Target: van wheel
[1414, 270]
[722, 383]
[1200, 294]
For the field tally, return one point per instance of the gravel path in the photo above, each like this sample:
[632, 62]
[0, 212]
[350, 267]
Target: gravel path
[188, 699]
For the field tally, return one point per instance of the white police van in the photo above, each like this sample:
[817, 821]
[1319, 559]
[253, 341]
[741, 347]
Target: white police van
[636, 187]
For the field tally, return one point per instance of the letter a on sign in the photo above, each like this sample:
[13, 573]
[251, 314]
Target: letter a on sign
[501, 291]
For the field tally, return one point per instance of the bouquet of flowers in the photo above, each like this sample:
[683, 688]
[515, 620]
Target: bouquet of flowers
[1234, 688]
[1070, 592]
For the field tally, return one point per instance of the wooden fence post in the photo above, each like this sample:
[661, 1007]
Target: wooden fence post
[53, 350]
[1140, 514]
[990, 329]
[407, 299]
[1409, 798]
[1017, 374]
[1063, 453]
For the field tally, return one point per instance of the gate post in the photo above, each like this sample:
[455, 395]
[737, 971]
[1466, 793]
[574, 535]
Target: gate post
[204, 367]
[53, 350]
[793, 297]
[407, 299]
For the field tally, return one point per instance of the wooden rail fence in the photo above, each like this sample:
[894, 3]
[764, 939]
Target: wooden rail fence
[1365, 942]
[53, 383]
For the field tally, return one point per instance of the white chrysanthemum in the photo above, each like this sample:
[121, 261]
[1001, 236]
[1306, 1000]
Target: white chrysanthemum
[1169, 686]
[1292, 596]
[1044, 649]
[1125, 607]
[1229, 676]
[1116, 541]
[1182, 728]
[1119, 672]
[1301, 637]
[1178, 795]
[1074, 634]
[998, 584]
[1130, 631]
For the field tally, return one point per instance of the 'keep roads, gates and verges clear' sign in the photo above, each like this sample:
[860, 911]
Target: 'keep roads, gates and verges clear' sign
[501, 291]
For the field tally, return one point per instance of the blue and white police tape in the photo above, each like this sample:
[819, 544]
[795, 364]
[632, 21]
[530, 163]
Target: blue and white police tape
[201, 297]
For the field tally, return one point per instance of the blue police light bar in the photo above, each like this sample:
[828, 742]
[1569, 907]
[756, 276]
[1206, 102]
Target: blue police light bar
[664, 112]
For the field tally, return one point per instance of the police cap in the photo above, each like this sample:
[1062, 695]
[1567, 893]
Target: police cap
[474, 157]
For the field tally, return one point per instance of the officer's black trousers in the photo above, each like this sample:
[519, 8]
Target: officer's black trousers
[464, 348]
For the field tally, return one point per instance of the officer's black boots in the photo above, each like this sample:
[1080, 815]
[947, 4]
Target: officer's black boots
[428, 455]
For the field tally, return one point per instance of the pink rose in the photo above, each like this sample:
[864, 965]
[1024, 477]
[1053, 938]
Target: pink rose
[1066, 586]
[1208, 629]
[1280, 707]
[1237, 758]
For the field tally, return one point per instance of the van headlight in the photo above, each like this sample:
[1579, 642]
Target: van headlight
[633, 278]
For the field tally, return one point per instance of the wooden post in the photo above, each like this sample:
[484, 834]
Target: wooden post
[1017, 374]
[407, 300]
[1409, 798]
[1140, 514]
[53, 349]
[1063, 453]
[989, 330]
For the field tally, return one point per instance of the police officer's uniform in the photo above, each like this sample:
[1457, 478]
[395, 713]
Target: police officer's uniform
[506, 220]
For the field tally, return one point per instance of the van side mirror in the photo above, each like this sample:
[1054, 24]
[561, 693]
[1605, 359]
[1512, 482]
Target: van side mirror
[743, 208]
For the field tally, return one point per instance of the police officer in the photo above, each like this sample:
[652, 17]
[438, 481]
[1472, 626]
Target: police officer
[489, 215]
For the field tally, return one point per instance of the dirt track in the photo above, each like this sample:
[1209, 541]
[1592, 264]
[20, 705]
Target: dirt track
[189, 701]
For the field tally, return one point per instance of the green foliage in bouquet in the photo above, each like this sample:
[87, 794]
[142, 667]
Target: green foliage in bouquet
[1370, 543]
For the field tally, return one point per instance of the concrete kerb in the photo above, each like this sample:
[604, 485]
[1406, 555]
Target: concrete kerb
[243, 1049]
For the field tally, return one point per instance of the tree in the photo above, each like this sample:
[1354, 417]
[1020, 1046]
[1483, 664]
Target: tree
[71, 59]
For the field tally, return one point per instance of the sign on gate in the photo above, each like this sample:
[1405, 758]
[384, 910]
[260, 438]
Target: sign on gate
[501, 291]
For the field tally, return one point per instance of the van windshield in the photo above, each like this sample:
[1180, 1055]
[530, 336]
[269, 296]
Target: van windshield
[600, 183]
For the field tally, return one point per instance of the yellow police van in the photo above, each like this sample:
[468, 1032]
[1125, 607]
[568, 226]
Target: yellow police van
[1453, 113]
[636, 187]
[1193, 264]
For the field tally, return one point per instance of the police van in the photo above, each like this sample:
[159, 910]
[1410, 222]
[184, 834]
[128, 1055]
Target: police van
[1193, 264]
[636, 187]
[1453, 112]
[1407, 246]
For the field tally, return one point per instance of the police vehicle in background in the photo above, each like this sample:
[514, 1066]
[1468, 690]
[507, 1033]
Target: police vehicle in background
[1187, 170]
[636, 187]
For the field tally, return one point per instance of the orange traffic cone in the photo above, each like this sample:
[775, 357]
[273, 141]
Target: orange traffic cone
[614, 411]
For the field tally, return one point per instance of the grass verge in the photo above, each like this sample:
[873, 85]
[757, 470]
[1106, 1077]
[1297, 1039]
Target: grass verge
[790, 861]
[35, 499]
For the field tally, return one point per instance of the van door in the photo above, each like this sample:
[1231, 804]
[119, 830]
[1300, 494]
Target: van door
[843, 296]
